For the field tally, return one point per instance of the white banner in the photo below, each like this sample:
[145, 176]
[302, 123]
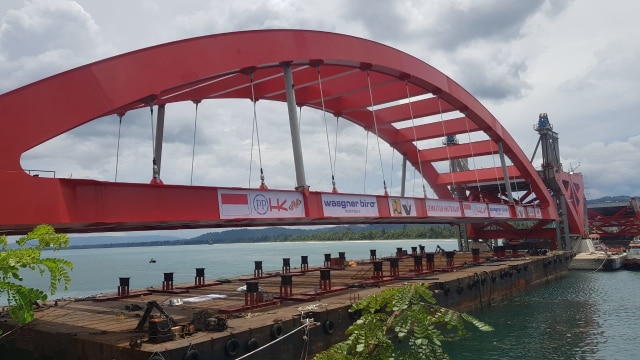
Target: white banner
[402, 206]
[499, 211]
[443, 208]
[531, 212]
[257, 204]
[472, 209]
[520, 212]
[349, 205]
[538, 213]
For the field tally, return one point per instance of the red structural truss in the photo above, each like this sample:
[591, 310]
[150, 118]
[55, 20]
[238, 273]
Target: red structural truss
[218, 67]
[615, 220]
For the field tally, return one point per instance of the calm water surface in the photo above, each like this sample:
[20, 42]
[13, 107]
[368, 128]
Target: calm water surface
[588, 315]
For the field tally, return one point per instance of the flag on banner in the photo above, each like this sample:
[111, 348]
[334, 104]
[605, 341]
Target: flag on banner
[234, 204]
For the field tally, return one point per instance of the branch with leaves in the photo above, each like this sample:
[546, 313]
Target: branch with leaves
[21, 298]
[400, 323]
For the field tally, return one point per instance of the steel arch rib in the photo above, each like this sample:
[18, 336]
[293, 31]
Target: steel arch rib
[40, 111]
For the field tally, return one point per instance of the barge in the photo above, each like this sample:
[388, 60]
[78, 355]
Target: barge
[279, 315]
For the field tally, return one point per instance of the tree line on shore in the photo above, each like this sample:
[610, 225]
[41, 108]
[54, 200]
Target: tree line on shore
[280, 234]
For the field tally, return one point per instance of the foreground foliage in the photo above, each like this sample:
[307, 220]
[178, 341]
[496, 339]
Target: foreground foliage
[21, 298]
[400, 323]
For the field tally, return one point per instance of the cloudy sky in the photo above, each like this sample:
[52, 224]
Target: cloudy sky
[575, 60]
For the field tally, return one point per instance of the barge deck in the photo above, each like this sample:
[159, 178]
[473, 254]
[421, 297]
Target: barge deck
[237, 322]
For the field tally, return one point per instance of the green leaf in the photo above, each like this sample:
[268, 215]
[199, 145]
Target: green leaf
[28, 256]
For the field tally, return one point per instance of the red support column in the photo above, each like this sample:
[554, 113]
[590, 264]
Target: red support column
[325, 279]
[257, 270]
[167, 284]
[394, 267]
[431, 260]
[199, 276]
[286, 285]
[123, 289]
[417, 263]
[377, 270]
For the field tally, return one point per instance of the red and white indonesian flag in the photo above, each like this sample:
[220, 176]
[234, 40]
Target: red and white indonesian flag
[234, 205]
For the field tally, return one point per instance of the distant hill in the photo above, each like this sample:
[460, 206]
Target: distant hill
[617, 198]
[117, 239]
[238, 235]
[270, 234]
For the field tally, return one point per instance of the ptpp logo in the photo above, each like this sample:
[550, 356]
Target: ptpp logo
[260, 204]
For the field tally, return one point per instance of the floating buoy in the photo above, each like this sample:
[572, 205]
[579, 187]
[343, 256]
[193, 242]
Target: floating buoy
[277, 331]
[232, 347]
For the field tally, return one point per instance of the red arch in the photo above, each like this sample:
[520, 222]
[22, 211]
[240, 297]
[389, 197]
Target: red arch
[215, 66]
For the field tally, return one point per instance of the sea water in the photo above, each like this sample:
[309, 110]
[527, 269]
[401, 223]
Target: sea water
[587, 315]
[96, 271]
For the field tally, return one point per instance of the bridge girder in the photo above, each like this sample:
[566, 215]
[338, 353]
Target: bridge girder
[218, 67]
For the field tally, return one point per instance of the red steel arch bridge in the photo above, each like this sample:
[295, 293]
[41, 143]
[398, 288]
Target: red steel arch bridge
[369, 84]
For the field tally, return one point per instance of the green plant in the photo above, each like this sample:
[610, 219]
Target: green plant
[400, 323]
[21, 299]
